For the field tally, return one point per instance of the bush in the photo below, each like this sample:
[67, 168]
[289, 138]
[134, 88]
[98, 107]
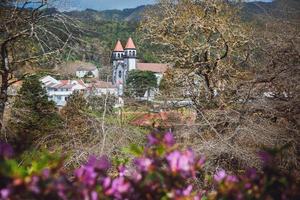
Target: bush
[161, 171]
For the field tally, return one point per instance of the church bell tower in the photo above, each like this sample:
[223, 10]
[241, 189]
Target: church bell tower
[130, 55]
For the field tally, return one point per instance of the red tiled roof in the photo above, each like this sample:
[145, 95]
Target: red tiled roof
[119, 46]
[64, 81]
[130, 44]
[153, 67]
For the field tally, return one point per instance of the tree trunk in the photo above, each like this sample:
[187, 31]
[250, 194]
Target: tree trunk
[4, 83]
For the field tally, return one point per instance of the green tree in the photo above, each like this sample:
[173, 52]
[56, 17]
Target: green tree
[139, 82]
[33, 115]
[29, 35]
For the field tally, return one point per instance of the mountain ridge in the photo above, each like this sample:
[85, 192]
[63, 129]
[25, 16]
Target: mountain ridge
[249, 10]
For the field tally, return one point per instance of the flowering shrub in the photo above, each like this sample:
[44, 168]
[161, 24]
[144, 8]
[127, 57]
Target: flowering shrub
[161, 172]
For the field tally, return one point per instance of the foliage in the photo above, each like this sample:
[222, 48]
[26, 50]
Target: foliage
[101, 103]
[33, 115]
[138, 82]
[76, 105]
[205, 41]
[161, 172]
[29, 35]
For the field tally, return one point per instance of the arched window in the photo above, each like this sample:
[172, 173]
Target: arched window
[120, 74]
[133, 53]
[129, 53]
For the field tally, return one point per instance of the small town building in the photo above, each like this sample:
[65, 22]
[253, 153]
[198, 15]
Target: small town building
[87, 72]
[102, 88]
[125, 60]
[59, 91]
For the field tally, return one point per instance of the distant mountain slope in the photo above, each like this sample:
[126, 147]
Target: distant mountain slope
[277, 8]
[130, 14]
[103, 28]
[250, 9]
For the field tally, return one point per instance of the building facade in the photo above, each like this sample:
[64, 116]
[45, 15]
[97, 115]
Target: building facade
[125, 60]
[59, 91]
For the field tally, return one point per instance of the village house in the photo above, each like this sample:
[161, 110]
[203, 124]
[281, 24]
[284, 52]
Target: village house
[87, 71]
[60, 90]
[102, 88]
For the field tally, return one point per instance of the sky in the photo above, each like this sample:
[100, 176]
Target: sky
[106, 4]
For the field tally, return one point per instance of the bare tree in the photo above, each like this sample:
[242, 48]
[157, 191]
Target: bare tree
[243, 81]
[29, 32]
[206, 43]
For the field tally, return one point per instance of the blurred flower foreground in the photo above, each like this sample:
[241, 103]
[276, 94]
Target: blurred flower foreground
[159, 171]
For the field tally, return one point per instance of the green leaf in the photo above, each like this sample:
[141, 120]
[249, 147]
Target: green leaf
[134, 149]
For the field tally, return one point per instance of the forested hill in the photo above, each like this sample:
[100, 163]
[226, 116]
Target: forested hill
[250, 9]
[130, 14]
[103, 28]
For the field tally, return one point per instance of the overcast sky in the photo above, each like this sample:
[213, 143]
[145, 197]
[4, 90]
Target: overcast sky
[107, 4]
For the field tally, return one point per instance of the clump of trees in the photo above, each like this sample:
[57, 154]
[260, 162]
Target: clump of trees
[33, 116]
[207, 44]
[237, 74]
[29, 36]
[140, 82]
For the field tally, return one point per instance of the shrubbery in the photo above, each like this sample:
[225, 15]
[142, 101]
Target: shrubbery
[160, 171]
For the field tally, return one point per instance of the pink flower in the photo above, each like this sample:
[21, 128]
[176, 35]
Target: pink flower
[231, 178]
[118, 187]
[106, 182]
[187, 191]
[220, 175]
[94, 195]
[181, 162]
[173, 159]
[152, 139]
[87, 175]
[101, 163]
[143, 164]
[122, 170]
[4, 193]
[169, 139]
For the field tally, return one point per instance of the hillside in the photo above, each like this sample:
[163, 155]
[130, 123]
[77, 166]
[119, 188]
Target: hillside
[250, 9]
[103, 28]
[130, 14]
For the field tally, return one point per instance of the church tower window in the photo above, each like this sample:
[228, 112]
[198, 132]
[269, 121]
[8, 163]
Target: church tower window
[120, 74]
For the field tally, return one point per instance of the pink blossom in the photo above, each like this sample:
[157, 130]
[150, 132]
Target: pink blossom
[143, 164]
[183, 162]
[169, 139]
[220, 175]
[188, 190]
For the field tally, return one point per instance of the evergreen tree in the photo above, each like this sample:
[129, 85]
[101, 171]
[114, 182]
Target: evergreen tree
[76, 106]
[33, 115]
[139, 82]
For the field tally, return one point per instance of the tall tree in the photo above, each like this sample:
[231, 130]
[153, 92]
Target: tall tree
[33, 115]
[140, 82]
[29, 32]
[205, 41]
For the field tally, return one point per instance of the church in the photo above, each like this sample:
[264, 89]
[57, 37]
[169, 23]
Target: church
[125, 60]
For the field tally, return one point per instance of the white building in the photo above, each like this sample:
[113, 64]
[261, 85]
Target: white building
[102, 88]
[60, 90]
[125, 60]
[87, 71]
